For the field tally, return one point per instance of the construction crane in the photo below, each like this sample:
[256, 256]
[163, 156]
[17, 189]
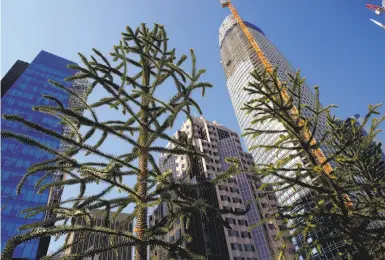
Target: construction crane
[317, 153]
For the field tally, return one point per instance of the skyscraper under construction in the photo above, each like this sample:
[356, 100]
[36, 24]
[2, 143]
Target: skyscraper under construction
[239, 58]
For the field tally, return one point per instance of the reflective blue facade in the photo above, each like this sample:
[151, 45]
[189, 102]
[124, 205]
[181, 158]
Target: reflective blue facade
[16, 158]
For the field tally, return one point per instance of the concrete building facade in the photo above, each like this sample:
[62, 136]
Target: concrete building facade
[219, 143]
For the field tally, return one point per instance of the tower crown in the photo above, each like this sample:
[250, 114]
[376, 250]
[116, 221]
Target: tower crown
[229, 23]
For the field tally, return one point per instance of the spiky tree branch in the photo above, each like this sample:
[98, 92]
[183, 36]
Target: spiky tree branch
[347, 203]
[141, 72]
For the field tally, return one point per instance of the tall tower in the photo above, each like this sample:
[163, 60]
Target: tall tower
[219, 143]
[26, 86]
[239, 59]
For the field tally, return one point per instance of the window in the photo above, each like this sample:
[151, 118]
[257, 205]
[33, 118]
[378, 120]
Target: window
[282, 227]
[178, 233]
[223, 134]
[231, 221]
[237, 200]
[233, 233]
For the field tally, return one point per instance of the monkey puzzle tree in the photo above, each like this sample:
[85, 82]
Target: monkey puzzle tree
[142, 70]
[338, 200]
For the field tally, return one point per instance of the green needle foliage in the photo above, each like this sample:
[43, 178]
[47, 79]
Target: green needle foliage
[345, 206]
[143, 69]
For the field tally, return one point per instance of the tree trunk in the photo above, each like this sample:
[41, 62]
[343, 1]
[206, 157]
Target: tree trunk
[141, 215]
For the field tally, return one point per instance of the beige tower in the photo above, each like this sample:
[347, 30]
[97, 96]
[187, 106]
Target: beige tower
[219, 143]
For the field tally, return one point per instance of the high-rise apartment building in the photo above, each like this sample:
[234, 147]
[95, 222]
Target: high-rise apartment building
[219, 143]
[239, 59]
[96, 240]
[26, 91]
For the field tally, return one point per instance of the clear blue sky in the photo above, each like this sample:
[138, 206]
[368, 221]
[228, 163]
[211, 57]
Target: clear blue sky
[333, 42]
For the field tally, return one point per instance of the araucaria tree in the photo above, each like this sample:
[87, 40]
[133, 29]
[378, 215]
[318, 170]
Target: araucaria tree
[141, 72]
[339, 194]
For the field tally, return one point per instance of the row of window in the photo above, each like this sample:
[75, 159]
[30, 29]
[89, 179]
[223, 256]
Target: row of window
[252, 177]
[241, 222]
[231, 209]
[234, 233]
[229, 199]
[245, 247]
[35, 74]
[16, 149]
[246, 162]
[216, 161]
[230, 180]
[209, 152]
[47, 70]
[231, 189]
[209, 145]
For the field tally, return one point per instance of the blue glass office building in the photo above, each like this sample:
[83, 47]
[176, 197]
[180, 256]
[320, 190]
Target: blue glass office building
[16, 158]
